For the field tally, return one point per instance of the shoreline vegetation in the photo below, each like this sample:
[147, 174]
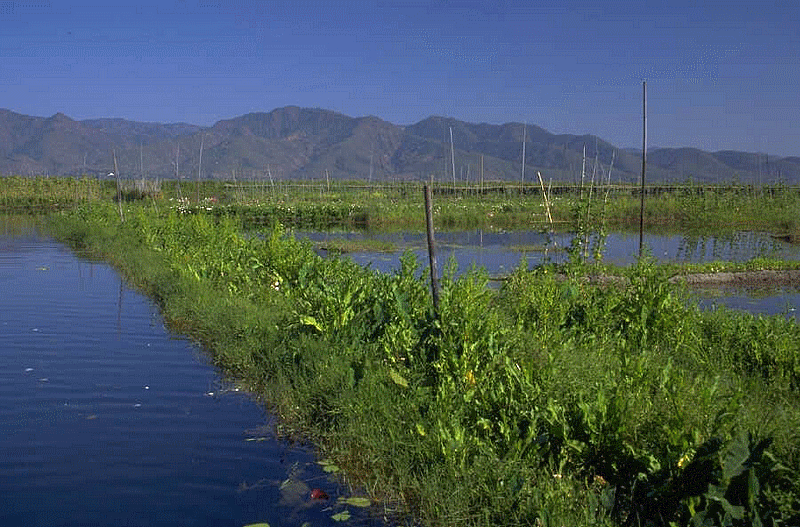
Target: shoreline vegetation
[549, 401]
[686, 208]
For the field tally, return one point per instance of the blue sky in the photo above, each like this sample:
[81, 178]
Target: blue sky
[720, 75]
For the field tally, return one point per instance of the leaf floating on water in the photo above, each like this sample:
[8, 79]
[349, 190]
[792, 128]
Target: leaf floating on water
[356, 501]
[257, 525]
[256, 439]
[328, 466]
[42, 268]
[342, 516]
[398, 379]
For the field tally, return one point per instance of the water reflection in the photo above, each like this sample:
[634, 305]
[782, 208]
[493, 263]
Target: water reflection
[501, 252]
[782, 302]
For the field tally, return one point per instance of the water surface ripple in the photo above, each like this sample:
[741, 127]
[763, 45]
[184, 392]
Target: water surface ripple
[108, 419]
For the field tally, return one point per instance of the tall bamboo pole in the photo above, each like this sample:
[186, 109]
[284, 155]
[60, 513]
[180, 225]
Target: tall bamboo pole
[524, 140]
[177, 171]
[481, 173]
[199, 167]
[644, 167]
[453, 158]
[431, 249]
[119, 185]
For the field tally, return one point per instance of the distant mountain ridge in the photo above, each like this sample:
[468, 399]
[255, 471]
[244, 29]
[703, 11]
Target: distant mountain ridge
[312, 143]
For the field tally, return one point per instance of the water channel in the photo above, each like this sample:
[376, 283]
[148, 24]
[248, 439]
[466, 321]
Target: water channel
[108, 419]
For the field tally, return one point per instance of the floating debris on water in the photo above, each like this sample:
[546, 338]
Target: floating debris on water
[319, 494]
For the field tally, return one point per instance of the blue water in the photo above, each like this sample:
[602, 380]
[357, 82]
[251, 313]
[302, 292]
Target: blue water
[502, 252]
[108, 419]
[783, 302]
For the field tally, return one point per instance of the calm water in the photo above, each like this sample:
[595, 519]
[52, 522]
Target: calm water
[106, 419]
[502, 252]
[785, 302]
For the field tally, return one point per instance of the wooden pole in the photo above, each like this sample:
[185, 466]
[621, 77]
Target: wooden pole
[177, 171]
[119, 187]
[546, 200]
[481, 173]
[271, 182]
[583, 169]
[431, 250]
[524, 140]
[453, 158]
[644, 167]
[371, 153]
[199, 167]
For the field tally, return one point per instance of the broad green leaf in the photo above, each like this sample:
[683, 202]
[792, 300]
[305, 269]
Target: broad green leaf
[328, 465]
[356, 501]
[342, 516]
[398, 379]
[310, 321]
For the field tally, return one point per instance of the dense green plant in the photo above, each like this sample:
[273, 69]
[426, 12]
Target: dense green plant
[551, 401]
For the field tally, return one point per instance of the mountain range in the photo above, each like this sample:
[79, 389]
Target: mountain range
[312, 143]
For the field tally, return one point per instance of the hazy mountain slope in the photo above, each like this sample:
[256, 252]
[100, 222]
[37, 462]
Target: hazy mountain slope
[302, 143]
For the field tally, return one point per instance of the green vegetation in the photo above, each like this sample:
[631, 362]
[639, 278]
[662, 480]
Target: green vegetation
[21, 194]
[548, 402]
[342, 246]
[399, 206]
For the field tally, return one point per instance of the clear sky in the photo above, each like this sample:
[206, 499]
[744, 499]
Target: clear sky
[720, 75]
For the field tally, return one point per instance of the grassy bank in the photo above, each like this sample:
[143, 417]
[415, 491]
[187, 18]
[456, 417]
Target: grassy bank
[548, 402]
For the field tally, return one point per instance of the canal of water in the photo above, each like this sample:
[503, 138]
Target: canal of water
[108, 419]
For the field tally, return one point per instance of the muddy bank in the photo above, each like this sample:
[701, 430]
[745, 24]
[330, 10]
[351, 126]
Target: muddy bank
[744, 279]
[741, 279]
